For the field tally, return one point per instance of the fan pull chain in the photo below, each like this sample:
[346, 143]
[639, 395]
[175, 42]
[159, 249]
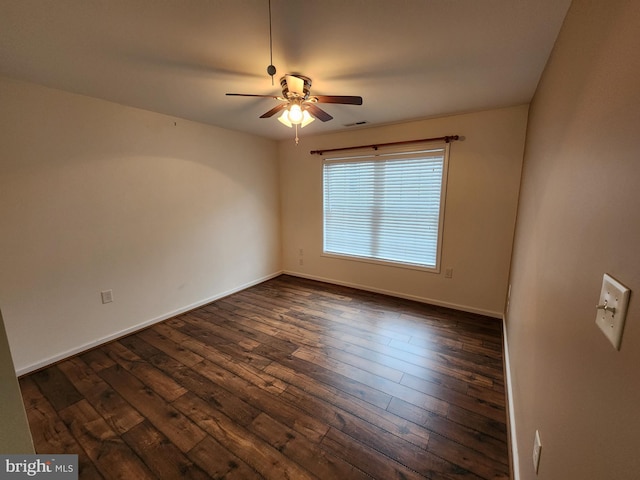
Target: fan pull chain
[297, 139]
[271, 69]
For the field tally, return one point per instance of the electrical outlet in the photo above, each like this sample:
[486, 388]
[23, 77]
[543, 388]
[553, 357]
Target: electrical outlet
[301, 252]
[537, 449]
[300, 261]
[448, 272]
[107, 296]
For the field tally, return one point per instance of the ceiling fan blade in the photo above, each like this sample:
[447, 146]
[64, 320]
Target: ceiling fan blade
[295, 84]
[343, 99]
[318, 112]
[274, 110]
[251, 95]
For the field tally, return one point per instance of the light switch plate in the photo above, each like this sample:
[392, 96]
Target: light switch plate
[537, 450]
[612, 309]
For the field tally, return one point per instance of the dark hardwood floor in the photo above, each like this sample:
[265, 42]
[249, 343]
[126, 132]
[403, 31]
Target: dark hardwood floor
[289, 379]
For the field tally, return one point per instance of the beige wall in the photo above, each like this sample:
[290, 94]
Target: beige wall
[94, 196]
[484, 178]
[579, 217]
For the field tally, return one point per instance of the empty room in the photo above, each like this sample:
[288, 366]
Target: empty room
[354, 239]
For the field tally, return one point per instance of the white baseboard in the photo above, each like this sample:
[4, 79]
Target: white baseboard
[119, 334]
[391, 293]
[513, 439]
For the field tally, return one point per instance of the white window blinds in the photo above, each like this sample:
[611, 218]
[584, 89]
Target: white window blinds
[386, 207]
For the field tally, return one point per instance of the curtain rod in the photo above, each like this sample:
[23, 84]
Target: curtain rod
[447, 139]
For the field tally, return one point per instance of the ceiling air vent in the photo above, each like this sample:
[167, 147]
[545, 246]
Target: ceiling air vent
[363, 122]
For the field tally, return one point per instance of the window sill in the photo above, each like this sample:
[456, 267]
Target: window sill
[386, 263]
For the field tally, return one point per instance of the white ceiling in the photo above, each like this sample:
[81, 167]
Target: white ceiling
[408, 59]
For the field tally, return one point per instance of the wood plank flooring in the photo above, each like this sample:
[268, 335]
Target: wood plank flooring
[289, 379]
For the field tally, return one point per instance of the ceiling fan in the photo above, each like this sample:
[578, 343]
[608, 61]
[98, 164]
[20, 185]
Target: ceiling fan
[298, 106]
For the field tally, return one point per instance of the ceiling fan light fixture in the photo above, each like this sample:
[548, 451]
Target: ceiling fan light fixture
[295, 115]
[306, 119]
[284, 119]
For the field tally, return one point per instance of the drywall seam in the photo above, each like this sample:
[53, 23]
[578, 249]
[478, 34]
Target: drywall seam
[140, 326]
[415, 298]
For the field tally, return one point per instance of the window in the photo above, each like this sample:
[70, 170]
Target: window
[387, 206]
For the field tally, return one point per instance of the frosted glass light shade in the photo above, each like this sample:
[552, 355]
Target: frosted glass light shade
[295, 116]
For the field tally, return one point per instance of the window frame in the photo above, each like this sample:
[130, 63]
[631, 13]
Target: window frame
[391, 153]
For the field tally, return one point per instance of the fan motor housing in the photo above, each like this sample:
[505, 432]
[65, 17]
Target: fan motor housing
[293, 95]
